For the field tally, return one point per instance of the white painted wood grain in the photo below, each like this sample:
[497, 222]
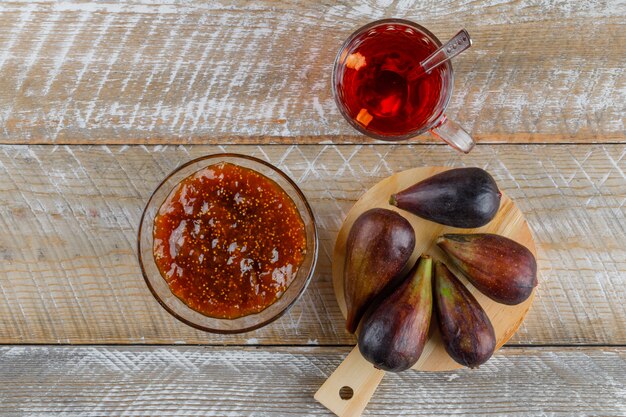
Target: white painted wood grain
[69, 218]
[188, 381]
[93, 72]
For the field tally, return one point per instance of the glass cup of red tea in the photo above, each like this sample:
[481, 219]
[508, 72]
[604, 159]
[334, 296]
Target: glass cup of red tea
[381, 90]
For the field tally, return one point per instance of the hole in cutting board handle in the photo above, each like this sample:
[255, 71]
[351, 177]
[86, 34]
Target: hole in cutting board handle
[346, 392]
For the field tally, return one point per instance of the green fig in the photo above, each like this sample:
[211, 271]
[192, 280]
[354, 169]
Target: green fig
[378, 248]
[461, 197]
[394, 331]
[499, 267]
[465, 328]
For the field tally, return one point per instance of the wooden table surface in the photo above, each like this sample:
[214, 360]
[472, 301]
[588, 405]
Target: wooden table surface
[99, 101]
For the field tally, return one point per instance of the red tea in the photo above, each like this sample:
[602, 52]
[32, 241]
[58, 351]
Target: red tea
[383, 87]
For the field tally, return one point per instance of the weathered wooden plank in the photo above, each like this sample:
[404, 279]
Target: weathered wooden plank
[176, 381]
[96, 73]
[69, 217]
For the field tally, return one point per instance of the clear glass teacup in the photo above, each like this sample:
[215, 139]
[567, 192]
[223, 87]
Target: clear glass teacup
[379, 89]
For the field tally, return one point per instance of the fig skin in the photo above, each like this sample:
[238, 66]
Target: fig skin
[461, 197]
[465, 328]
[378, 248]
[394, 331]
[499, 267]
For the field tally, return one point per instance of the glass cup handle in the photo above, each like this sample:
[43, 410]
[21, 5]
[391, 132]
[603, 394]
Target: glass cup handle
[454, 135]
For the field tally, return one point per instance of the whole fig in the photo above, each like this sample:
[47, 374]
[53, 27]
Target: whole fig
[461, 197]
[393, 332]
[499, 267]
[465, 328]
[379, 246]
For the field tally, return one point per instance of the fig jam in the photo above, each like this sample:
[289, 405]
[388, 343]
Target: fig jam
[228, 241]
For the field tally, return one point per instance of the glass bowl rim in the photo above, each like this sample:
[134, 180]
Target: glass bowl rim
[309, 211]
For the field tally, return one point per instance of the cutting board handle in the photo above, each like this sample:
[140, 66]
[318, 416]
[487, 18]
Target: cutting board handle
[356, 377]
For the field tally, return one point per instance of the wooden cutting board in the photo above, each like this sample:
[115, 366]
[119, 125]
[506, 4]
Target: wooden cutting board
[356, 373]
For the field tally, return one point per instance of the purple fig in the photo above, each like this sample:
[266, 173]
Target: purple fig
[465, 328]
[379, 245]
[461, 197]
[500, 268]
[394, 331]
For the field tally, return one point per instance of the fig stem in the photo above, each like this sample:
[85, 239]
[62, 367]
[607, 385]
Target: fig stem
[392, 200]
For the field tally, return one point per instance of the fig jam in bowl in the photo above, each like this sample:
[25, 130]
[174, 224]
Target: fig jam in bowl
[227, 243]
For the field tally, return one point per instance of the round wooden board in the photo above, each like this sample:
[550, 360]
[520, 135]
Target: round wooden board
[509, 222]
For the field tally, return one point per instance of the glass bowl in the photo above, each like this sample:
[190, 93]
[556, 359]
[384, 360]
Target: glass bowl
[161, 290]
